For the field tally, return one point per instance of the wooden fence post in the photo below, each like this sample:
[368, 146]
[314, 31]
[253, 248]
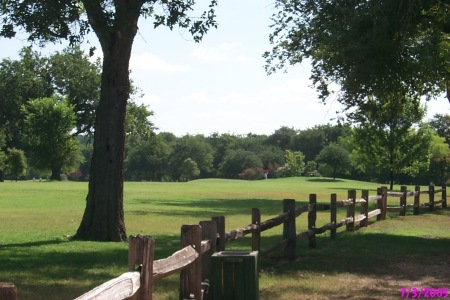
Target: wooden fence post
[289, 229]
[351, 210]
[191, 276]
[140, 252]
[431, 196]
[209, 232]
[333, 213]
[312, 216]
[384, 201]
[365, 208]
[417, 200]
[220, 221]
[256, 231]
[404, 190]
[380, 203]
[444, 196]
[8, 291]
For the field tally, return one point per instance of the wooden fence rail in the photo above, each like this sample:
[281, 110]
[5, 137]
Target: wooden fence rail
[144, 270]
[199, 242]
[352, 218]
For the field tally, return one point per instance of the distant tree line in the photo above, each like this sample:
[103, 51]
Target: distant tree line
[418, 155]
[47, 109]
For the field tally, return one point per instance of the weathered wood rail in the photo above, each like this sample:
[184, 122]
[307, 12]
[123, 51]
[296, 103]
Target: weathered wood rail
[199, 242]
[191, 261]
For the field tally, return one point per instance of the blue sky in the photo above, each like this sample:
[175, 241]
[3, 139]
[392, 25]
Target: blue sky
[219, 85]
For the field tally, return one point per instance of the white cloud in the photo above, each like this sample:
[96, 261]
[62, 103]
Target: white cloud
[208, 54]
[151, 100]
[220, 115]
[292, 91]
[220, 53]
[197, 97]
[150, 62]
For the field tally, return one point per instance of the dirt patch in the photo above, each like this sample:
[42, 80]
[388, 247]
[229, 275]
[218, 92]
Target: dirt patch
[366, 287]
[438, 270]
[408, 274]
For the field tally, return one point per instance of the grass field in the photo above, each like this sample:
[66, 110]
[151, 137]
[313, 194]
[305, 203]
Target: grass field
[38, 218]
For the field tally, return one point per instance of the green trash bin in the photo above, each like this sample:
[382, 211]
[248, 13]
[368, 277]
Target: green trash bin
[234, 275]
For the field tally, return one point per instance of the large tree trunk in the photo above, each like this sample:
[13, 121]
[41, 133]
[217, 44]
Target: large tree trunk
[56, 173]
[103, 218]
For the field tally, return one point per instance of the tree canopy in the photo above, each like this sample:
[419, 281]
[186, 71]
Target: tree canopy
[387, 139]
[68, 74]
[194, 148]
[441, 124]
[75, 77]
[235, 161]
[335, 157]
[17, 163]
[440, 160]
[366, 48]
[47, 135]
[20, 81]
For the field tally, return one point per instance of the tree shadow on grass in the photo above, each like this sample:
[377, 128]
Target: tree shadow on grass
[59, 273]
[205, 209]
[372, 192]
[64, 269]
[32, 244]
[330, 180]
[323, 180]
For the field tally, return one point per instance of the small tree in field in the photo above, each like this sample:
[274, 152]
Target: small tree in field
[294, 164]
[236, 160]
[336, 157]
[440, 160]
[189, 169]
[47, 134]
[17, 163]
[391, 139]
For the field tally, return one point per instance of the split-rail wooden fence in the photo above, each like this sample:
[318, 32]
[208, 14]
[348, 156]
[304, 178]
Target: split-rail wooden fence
[199, 242]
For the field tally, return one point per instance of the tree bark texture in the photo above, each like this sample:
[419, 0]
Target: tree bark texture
[56, 172]
[103, 218]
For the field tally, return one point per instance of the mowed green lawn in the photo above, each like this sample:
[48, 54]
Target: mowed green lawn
[38, 218]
